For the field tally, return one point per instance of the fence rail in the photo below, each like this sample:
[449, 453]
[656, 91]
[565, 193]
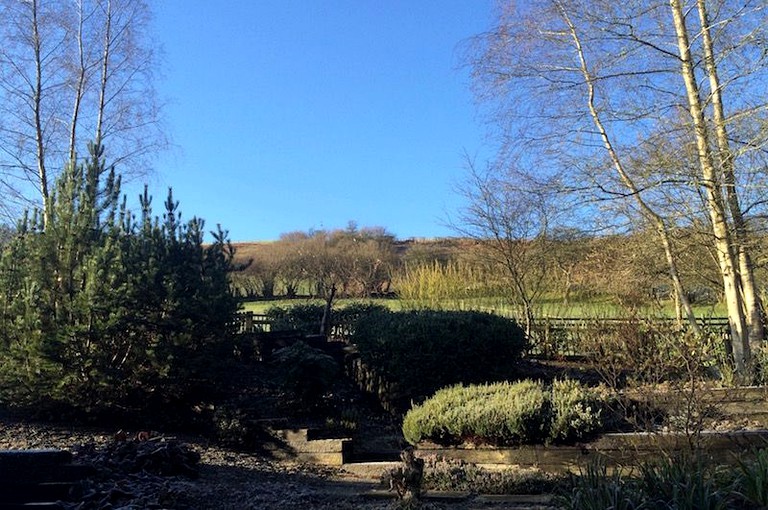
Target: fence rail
[551, 336]
[564, 336]
[250, 322]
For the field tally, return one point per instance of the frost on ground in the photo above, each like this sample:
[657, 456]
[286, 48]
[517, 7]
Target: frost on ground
[188, 473]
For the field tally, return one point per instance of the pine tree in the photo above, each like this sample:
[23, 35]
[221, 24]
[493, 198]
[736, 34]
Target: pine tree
[100, 311]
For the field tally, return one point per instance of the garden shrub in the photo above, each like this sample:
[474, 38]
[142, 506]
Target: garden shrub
[505, 414]
[419, 352]
[304, 318]
[237, 425]
[576, 411]
[352, 312]
[458, 476]
[640, 352]
[305, 371]
[102, 311]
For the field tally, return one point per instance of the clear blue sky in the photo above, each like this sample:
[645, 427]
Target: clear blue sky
[296, 114]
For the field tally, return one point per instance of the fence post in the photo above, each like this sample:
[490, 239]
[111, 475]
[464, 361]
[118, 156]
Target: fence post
[248, 326]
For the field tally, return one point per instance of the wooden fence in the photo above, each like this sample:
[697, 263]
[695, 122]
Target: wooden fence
[567, 336]
[250, 322]
[551, 336]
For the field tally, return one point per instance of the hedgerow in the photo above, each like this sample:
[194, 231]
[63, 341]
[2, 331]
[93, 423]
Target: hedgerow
[415, 353]
[306, 317]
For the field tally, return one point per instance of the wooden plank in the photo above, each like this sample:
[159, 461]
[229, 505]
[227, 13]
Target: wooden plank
[21, 492]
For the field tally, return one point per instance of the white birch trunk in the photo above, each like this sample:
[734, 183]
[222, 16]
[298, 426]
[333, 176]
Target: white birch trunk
[751, 301]
[42, 173]
[661, 227]
[715, 202]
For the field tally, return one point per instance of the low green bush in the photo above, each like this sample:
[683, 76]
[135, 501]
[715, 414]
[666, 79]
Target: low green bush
[576, 411]
[419, 352]
[505, 414]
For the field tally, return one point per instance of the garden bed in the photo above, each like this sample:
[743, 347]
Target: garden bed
[621, 449]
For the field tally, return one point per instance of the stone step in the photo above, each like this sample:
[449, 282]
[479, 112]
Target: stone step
[373, 456]
[13, 460]
[33, 506]
[302, 447]
[469, 500]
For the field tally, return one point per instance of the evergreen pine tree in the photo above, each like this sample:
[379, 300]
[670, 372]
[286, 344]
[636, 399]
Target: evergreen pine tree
[99, 311]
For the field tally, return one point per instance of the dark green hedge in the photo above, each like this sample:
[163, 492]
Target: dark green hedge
[306, 318]
[418, 352]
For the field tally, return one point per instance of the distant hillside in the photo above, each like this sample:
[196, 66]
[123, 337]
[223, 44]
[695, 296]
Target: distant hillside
[441, 248]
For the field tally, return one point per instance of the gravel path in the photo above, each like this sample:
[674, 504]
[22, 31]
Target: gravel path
[227, 479]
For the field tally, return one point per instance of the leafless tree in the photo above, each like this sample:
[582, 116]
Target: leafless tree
[509, 215]
[72, 73]
[587, 86]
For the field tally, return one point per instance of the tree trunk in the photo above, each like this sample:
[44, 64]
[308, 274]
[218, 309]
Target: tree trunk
[104, 74]
[325, 325]
[648, 212]
[42, 174]
[753, 307]
[79, 85]
[714, 196]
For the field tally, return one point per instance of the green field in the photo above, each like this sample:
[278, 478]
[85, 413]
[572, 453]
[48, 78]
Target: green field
[586, 309]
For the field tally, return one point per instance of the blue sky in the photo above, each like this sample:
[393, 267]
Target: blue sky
[297, 114]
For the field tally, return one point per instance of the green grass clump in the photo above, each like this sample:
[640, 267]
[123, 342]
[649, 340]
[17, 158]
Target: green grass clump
[505, 414]
[597, 489]
[751, 482]
[680, 482]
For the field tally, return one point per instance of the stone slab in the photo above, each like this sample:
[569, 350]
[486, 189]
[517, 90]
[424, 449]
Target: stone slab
[21, 492]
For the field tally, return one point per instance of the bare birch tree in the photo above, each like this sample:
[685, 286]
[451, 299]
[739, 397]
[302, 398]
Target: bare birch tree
[587, 84]
[73, 73]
